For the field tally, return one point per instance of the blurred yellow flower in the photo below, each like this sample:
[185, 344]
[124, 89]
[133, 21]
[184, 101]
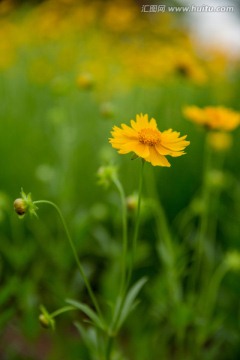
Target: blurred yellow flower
[186, 64]
[147, 142]
[216, 118]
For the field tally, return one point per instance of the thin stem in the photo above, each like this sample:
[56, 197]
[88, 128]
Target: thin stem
[123, 285]
[124, 236]
[109, 347]
[162, 225]
[62, 310]
[88, 286]
[203, 224]
[165, 243]
[125, 282]
[216, 198]
[209, 297]
[137, 223]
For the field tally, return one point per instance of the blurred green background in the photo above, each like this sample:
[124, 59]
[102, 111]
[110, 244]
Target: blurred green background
[69, 71]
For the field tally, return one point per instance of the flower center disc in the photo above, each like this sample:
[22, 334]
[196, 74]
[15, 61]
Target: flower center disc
[149, 136]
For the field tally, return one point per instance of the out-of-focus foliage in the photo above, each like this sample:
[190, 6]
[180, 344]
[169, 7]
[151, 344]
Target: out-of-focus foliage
[69, 70]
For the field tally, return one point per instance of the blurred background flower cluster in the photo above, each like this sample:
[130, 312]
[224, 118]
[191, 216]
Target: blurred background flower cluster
[69, 71]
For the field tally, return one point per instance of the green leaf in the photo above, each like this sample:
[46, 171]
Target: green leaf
[23, 194]
[94, 342]
[116, 310]
[87, 311]
[89, 335]
[129, 303]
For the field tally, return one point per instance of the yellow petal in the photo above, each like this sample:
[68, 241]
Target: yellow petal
[162, 150]
[156, 159]
[141, 150]
[129, 146]
[140, 123]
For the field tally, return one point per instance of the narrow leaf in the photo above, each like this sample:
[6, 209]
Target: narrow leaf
[87, 311]
[129, 303]
[116, 309]
[87, 336]
[91, 339]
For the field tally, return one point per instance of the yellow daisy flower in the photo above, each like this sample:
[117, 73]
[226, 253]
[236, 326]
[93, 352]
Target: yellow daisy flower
[147, 142]
[217, 118]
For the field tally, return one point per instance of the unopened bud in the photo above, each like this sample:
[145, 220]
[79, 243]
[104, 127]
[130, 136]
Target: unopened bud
[132, 202]
[44, 321]
[20, 207]
[106, 175]
[85, 81]
[25, 205]
[107, 110]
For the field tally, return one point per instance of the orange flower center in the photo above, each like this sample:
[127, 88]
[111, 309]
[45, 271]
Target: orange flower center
[149, 136]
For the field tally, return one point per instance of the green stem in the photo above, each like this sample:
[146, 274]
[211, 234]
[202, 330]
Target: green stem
[109, 347]
[124, 268]
[203, 222]
[165, 246]
[215, 200]
[88, 286]
[62, 310]
[123, 285]
[137, 223]
[124, 235]
[158, 210]
[209, 297]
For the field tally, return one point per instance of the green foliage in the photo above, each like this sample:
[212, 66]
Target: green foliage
[94, 318]
[54, 134]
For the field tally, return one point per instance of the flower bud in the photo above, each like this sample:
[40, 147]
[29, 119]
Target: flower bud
[107, 110]
[44, 321]
[106, 175]
[20, 207]
[85, 81]
[25, 204]
[132, 202]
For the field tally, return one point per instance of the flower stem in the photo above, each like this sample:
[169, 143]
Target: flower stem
[137, 223]
[124, 235]
[109, 347]
[62, 310]
[204, 219]
[165, 246]
[88, 286]
[209, 296]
